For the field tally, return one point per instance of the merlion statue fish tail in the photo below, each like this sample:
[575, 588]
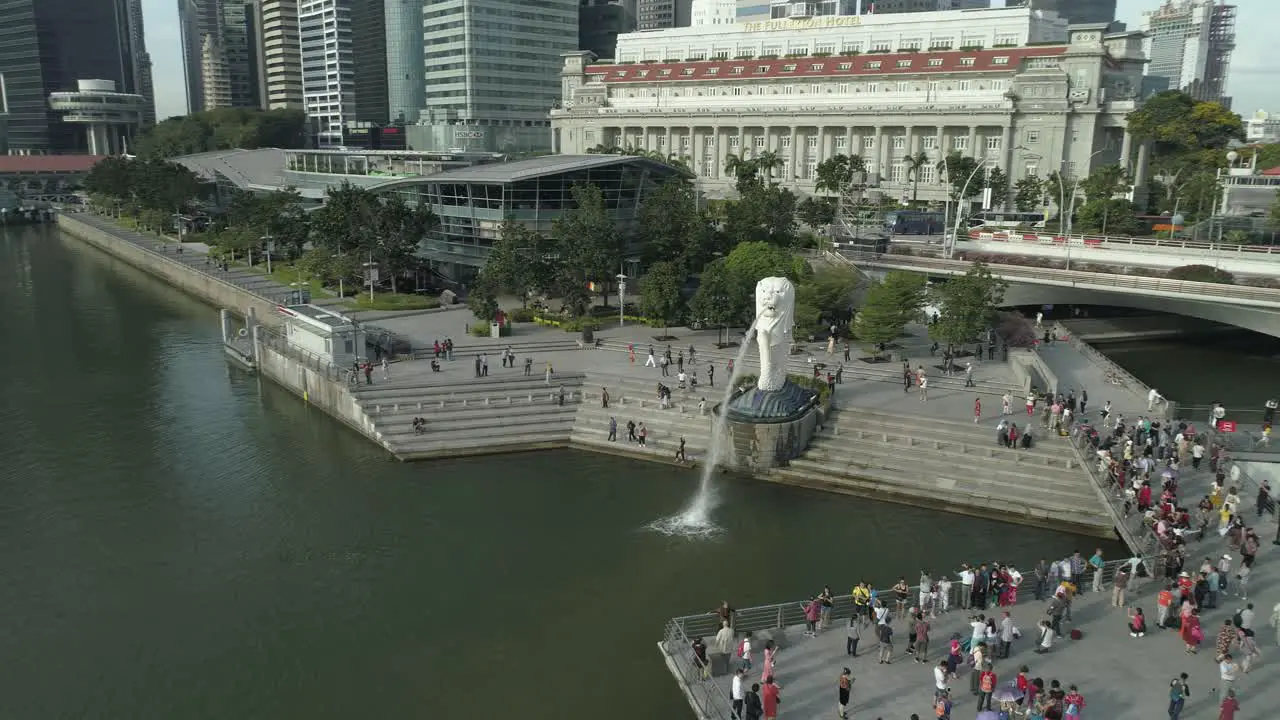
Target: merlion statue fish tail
[775, 319]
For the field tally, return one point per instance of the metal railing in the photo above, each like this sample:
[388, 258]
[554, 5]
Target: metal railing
[1265, 297]
[277, 342]
[1125, 242]
[1126, 378]
[711, 698]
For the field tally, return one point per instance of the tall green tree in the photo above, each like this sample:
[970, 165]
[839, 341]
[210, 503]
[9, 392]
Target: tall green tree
[998, 181]
[661, 295]
[834, 173]
[959, 171]
[889, 306]
[763, 213]
[1188, 136]
[1028, 194]
[517, 263]
[1113, 216]
[1273, 216]
[589, 246]
[671, 226]
[718, 301]
[223, 129]
[1105, 183]
[816, 212]
[967, 305]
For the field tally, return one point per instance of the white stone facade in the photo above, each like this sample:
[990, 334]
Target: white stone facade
[1027, 109]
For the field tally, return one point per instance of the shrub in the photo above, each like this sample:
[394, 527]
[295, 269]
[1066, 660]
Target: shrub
[522, 315]
[1202, 273]
[580, 324]
[1017, 331]
[1260, 282]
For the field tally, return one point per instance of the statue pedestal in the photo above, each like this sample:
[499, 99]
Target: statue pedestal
[768, 429]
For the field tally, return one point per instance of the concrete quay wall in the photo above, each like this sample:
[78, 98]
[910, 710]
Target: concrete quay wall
[193, 282]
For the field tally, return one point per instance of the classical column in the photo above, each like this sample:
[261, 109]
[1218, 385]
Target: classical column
[825, 144]
[942, 141]
[882, 152]
[912, 141]
[768, 137]
[1006, 149]
[1126, 148]
[849, 139]
[973, 142]
[717, 152]
[1140, 173]
[742, 142]
[669, 149]
[795, 140]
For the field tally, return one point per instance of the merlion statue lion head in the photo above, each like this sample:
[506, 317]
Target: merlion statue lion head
[775, 309]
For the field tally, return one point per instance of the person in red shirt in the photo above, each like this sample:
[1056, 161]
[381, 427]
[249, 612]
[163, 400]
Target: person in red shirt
[977, 410]
[1227, 711]
[1164, 601]
[769, 698]
[1023, 683]
[986, 686]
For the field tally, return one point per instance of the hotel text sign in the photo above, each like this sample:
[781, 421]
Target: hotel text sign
[813, 23]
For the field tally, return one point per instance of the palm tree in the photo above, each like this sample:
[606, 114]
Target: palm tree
[834, 173]
[738, 166]
[914, 163]
[769, 161]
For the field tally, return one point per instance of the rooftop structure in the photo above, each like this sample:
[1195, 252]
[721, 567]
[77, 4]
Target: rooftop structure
[324, 333]
[108, 117]
[1190, 43]
[1262, 127]
[957, 84]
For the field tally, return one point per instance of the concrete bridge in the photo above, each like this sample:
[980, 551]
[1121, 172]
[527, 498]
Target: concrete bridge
[1253, 260]
[1252, 308]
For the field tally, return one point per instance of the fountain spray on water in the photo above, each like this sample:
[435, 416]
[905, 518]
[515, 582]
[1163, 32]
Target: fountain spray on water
[695, 520]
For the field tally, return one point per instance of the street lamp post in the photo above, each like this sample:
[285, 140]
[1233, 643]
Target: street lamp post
[955, 233]
[266, 239]
[622, 302]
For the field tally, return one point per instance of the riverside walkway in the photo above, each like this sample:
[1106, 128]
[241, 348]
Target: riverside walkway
[1121, 677]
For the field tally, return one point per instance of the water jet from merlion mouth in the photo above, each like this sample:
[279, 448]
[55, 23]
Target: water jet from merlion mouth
[775, 418]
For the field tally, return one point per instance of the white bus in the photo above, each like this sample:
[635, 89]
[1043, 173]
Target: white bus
[994, 220]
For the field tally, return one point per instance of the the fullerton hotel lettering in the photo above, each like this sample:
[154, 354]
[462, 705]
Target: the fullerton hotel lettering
[822, 22]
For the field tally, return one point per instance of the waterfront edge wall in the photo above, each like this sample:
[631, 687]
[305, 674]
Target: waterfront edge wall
[193, 282]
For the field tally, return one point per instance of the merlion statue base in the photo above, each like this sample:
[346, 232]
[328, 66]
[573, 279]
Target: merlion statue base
[771, 423]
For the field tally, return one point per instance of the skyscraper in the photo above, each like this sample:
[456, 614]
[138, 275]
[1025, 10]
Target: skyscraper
[1077, 11]
[143, 83]
[369, 59]
[217, 44]
[1189, 43]
[279, 54]
[405, 86]
[328, 70]
[46, 46]
[490, 85]
[658, 14]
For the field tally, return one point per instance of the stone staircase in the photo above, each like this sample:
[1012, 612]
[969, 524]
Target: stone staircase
[482, 416]
[951, 465]
[636, 398]
[470, 346]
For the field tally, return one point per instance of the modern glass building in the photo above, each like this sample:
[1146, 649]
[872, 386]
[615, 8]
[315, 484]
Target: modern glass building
[406, 88]
[47, 46]
[369, 58]
[328, 70]
[473, 202]
[492, 72]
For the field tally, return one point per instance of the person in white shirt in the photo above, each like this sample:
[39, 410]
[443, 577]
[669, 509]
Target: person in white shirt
[1219, 414]
[979, 632]
[966, 585]
[1046, 637]
[940, 678]
[1153, 397]
[882, 614]
[944, 595]
[738, 693]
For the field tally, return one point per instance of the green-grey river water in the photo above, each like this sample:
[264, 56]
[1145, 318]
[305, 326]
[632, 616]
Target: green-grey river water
[181, 540]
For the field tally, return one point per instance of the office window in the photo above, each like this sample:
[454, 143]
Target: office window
[855, 46]
[844, 66]
[930, 142]
[737, 90]
[910, 44]
[960, 143]
[758, 142]
[816, 67]
[868, 142]
[788, 89]
[736, 70]
[1075, 136]
[810, 170]
[684, 142]
[762, 69]
[713, 71]
[873, 65]
[904, 86]
[786, 141]
[1031, 170]
[998, 85]
[815, 89]
[843, 88]
[662, 142]
[904, 63]
[872, 87]
[993, 143]
[840, 142]
[966, 61]
[928, 173]
[899, 142]
[942, 41]
[1002, 60]
[826, 48]
[964, 85]
[935, 62]
[1006, 39]
[1033, 136]
[789, 67]
[881, 46]
[686, 71]
[811, 141]
[734, 142]
[897, 172]
[663, 73]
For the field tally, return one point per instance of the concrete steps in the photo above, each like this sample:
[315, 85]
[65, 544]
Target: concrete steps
[950, 465]
[482, 415]
[636, 399]
[464, 349]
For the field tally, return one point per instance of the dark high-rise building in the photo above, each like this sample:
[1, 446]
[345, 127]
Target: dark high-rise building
[658, 14]
[369, 60]
[1076, 11]
[48, 45]
[599, 24]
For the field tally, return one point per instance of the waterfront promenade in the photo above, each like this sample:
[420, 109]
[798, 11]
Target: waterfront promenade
[1121, 677]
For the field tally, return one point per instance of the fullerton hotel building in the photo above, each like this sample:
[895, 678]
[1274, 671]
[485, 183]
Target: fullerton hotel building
[1015, 88]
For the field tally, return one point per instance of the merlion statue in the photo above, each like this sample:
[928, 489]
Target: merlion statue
[775, 318]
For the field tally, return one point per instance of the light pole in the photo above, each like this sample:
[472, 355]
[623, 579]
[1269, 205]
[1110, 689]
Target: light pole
[622, 293]
[266, 239]
[955, 234]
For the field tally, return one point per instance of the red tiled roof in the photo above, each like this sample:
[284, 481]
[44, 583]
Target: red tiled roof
[47, 163]
[812, 67]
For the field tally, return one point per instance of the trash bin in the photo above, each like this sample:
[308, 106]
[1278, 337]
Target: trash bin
[588, 336]
[495, 330]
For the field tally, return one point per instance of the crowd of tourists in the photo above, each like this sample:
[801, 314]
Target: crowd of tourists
[988, 595]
